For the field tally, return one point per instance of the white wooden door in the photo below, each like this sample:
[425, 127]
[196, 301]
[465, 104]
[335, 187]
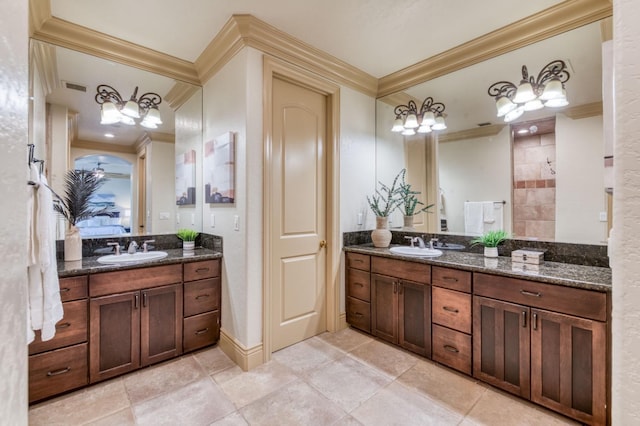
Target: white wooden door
[298, 222]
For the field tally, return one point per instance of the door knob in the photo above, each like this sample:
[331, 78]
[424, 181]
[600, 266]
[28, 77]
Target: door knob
[323, 243]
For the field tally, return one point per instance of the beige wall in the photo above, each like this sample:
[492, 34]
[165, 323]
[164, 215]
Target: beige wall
[580, 195]
[160, 187]
[59, 161]
[625, 258]
[13, 226]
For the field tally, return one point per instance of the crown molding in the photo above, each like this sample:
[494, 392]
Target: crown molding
[101, 146]
[39, 12]
[161, 137]
[179, 94]
[584, 111]
[477, 132]
[248, 31]
[76, 37]
[555, 20]
[43, 57]
[399, 98]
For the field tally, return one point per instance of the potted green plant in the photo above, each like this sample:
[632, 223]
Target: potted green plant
[383, 203]
[490, 240]
[409, 203]
[80, 186]
[188, 237]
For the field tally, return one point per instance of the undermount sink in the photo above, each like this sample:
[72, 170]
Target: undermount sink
[415, 251]
[132, 258]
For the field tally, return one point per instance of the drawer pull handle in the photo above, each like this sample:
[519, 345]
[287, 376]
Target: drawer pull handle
[204, 330]
[58, 372]
[136, 301]
[63, 325]
[360, 284]
[144, 299]
[524, 319]
[356, 314]
[202, 296]
[530, 293]
[200, 270]
[450, 309]
[357, 260]
[452, 279]
[451, 349]
[65, 290]
[534, 320]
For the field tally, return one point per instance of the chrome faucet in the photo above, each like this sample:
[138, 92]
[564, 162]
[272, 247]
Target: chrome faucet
[131, 248]
[420, 242]
[116, 248]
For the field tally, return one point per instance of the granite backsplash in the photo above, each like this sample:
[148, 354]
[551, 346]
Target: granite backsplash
[576, 254]
[98, 246]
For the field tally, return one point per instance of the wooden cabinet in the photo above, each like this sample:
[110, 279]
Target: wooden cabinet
[401, 307]
[134, 328]
[558, 360]
[451, 317]
[358, 291]
[60, 364]
[202, 293]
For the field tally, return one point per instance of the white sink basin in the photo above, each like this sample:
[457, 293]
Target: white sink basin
[415, 251]
[132, 258]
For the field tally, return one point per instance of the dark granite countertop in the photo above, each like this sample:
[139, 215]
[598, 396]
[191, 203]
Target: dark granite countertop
[90, 265]
[579, 276]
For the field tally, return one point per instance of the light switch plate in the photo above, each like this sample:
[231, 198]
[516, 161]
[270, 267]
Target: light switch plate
[359, 218]
[603, 216]
[164, 215]
[212, 220]
[236, 222]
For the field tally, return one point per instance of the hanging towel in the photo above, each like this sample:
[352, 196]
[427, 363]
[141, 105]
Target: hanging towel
[497, 215]
[34, 317]
[473, 224]
[487, 212]
[45, 306]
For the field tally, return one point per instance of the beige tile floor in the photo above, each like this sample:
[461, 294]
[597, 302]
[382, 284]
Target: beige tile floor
[343, 378]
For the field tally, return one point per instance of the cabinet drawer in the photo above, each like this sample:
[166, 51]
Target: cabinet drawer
[411, 271]
[358, 261]
[201, 296]
[359, 284]
[452, 348]
[451, 309]
[57, 371]
[557, 298]
[200, 270]
[134, 279]
[201, 330]
[359, 314]
[71, 329]
[74, 288]
[453, 279]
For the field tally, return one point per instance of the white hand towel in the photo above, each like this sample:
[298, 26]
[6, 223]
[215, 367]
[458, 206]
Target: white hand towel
[473, 218]
[34, 299]
[487, 212]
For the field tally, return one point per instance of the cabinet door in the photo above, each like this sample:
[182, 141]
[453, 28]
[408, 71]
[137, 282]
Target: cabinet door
[414, 313]
[384, 308]
[568, 365]
[501, 351]
[115, 335]
[161, 324]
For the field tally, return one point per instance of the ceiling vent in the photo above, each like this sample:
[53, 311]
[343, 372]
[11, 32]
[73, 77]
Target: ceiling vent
[74, 86]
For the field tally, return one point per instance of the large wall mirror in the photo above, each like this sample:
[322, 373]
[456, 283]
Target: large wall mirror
[140, 163]
[544, 171]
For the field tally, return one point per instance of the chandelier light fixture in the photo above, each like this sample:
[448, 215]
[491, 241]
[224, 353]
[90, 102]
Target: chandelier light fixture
[410, 119]
[547, 90]
[114, 109]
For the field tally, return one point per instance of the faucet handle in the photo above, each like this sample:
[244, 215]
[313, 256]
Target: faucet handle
[411, 240]
[116, 247]
[145, 245]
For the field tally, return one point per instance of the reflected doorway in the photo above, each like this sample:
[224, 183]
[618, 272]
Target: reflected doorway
[115, 194]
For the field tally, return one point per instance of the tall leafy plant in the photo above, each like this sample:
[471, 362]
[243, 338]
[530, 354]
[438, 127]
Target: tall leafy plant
[409, 203]
[385, 200]
[75, 206]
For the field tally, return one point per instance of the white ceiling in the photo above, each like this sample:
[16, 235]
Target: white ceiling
[376, 36]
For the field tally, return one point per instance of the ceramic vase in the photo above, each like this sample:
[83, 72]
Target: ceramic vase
[491, 252]
[381, 236]
[408, 221]
[72, 244]
[188, 245]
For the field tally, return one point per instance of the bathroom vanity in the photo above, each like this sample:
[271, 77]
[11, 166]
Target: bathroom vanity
[543, 335]
[121, 318]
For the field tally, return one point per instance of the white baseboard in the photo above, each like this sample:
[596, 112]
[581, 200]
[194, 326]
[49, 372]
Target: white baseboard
[245, 358]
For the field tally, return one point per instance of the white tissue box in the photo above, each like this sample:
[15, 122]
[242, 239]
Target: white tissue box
[529, 257]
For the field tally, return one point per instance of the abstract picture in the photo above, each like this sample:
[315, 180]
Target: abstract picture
[186, 178]
[219, 170]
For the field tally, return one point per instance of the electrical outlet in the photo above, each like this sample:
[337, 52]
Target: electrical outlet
[359, 218]
[236, 223]
[164, 215]
[193, 218]
[178, 218]
[212, 220]
[603, 216]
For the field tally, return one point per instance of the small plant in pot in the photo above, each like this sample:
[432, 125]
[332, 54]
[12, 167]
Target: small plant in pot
[188, 237]
[491, 240]
[383, 203]
[409, 203]
[80, 186]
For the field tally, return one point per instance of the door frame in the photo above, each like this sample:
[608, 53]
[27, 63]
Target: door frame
[274, 68]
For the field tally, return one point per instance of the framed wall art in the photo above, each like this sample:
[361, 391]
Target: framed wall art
[219, 170]
[186, 178]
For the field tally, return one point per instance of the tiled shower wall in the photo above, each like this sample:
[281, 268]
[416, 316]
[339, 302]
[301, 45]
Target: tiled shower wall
[534, 186]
